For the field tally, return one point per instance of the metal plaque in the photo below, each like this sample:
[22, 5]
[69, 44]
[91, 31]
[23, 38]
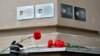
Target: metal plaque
[80, 14]
[44, 10]
[26, 12]
[66, 11]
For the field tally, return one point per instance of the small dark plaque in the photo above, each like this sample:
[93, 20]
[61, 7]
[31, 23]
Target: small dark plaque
[66, 11]
[80, 13]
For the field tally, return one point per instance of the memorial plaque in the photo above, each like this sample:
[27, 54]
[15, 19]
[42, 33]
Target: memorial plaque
[66, 11]
[44, 10]
[26, 12]
[80, 14]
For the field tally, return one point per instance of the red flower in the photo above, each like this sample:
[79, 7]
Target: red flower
[37, 34]
[59, 43]
[50, 43]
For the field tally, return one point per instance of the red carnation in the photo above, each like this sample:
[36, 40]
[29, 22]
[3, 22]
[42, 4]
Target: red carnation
[50, 43]
[37, 34]
[59, 43]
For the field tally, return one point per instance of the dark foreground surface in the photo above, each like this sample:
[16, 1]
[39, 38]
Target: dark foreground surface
[57, 52]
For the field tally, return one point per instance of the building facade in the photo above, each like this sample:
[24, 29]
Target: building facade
[66, 22]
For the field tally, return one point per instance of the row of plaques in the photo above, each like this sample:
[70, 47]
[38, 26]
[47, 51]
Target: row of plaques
[47, 10]
[37, 11]
[67, 12]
